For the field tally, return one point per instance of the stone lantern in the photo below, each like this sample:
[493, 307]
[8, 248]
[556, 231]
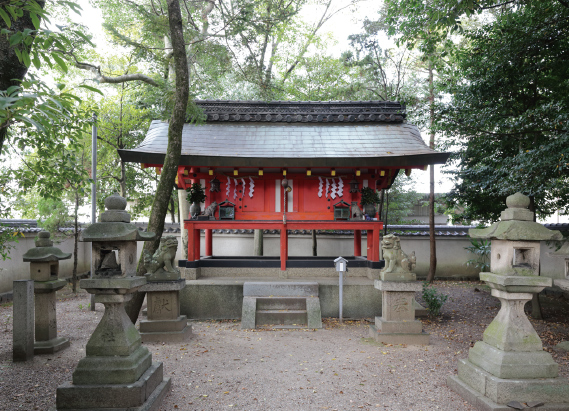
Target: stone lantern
[117, 372]
[509, 365]
[44, 270]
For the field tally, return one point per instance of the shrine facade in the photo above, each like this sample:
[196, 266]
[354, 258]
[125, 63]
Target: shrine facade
[289, 165]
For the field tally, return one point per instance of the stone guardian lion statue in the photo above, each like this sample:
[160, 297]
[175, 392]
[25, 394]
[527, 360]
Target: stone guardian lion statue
[396, 261]
[161, 264]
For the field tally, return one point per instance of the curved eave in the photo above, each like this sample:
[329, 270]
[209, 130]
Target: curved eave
[133, 156]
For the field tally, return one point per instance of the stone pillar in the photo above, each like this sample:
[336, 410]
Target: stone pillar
[23, 320]
[258, 242]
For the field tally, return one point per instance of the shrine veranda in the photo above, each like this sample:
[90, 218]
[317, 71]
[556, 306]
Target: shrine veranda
[287, 166]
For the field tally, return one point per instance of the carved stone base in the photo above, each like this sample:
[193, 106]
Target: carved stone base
[488, 392]
[166, 331]
[420, 338]
[146, 394]
[51, 346]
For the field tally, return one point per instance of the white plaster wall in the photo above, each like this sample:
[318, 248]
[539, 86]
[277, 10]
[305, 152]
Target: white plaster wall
[14, 268]
[451, 255]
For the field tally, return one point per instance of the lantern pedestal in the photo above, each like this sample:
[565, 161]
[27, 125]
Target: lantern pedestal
[397, 324]
[46, 339]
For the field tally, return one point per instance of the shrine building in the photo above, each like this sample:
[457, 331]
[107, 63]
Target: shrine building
[284, 166]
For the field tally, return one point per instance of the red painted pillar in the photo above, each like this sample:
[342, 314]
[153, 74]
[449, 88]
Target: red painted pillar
[284, 247]
[369, 245]
[196, 244]
[208, 242]
[357, 243]
[191, 248]
[376, 244]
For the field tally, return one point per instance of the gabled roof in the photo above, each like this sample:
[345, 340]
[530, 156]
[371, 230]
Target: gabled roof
[293, 134]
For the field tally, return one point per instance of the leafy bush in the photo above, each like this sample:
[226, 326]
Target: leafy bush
[481, 249]
[196, 193]
[433, 299]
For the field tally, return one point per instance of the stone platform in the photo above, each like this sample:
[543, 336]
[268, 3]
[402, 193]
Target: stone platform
[145, 394]
[222, 297]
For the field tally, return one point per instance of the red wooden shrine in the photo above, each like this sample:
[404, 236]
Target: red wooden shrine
[319, 148]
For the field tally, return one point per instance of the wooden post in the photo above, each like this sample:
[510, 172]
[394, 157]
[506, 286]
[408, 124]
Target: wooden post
[357, 243]
[196, 244]
[208, 242]
[284, 247]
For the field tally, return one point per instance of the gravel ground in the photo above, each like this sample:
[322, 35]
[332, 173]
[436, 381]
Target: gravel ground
[223, 367]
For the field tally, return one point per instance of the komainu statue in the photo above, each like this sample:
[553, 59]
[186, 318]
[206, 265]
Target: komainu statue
[396, 261]
[210, 209]
[161, 265]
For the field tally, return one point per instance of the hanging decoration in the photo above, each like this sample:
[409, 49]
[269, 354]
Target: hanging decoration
[227, 187]
[320, 187]
[333, 191]
[244, 186]
[340, 190]
[251, 187]
[327, 187]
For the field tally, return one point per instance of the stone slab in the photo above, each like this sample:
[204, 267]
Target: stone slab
[146, 394]
[407, 286]
[313, 312]
[397, 305]
[516, 283]
[49, 286]
[168, 337]
[112, 369]
[502, 391]
[280, 289]
[23, 320]
[248, 312]
[51, 346]
[482, 403]
[126, 283]
[398, 327]
[402, 338]
[161, 326]
[397, 276]
[163, 285]
[513, 364]
[163, 305]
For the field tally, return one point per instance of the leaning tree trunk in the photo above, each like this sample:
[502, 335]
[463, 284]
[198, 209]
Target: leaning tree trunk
[432, 243]
[173, 152]
[536, 311]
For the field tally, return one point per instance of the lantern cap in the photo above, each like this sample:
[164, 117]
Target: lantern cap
[44, 250]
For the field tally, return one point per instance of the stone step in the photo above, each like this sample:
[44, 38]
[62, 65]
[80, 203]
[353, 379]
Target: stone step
[281, 303]
[284, 317]
[280, 289]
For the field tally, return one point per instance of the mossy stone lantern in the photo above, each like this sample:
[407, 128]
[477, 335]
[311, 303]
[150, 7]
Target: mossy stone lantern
[510, 364]
[117, 372]
[44, 270]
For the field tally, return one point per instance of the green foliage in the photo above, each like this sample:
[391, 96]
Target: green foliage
[507, 121]
[433, 299]
[196, 193]
[369, 196]
[399, 201]
[481, 249]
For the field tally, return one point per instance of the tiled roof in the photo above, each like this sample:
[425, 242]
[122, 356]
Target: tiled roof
[290, 145]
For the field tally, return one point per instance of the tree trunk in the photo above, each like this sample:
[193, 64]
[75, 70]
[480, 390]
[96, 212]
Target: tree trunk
[173, 152]
[386, 211]
[432, 243]
[75, 242]
[173, 209]
[11, 69]
[314, 244]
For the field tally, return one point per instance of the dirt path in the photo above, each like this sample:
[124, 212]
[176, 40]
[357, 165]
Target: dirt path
[338, 367]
